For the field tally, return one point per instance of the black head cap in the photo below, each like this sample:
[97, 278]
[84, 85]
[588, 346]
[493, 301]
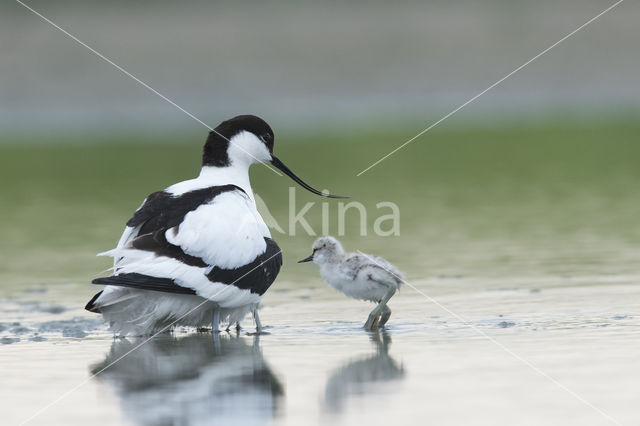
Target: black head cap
[215, 149]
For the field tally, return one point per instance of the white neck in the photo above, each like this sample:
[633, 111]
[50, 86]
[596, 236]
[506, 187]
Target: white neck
[235, 174]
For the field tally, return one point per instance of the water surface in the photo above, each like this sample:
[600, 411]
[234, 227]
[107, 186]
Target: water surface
[523, 243]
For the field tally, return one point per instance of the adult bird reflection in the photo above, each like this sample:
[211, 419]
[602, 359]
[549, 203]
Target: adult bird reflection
[189, 380]
[361, 375]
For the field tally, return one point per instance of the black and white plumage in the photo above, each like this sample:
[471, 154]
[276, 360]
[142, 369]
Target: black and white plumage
[198, 252]
[357, 275]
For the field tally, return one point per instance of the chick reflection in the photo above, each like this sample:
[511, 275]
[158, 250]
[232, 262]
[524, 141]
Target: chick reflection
[189, 380]
[359, 376]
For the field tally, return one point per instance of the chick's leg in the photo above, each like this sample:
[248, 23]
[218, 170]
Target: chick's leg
[386, 314]
[374, 316]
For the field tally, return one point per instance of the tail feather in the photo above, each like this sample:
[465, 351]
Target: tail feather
[91, 305]
[108, 297]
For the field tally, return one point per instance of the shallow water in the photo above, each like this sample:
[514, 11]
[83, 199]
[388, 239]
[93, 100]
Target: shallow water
[317, 366]
[523, 244]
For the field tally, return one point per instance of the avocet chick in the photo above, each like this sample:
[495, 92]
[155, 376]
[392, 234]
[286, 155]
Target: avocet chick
[357, 275]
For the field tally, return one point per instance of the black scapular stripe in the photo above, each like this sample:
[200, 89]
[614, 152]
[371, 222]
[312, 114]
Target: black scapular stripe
[162, 210]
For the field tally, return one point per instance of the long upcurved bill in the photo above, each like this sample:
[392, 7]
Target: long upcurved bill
[281, 166]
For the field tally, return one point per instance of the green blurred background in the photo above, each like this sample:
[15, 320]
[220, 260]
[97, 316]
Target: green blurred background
[536, 178]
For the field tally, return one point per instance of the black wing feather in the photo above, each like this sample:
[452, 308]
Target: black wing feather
[256, 276]
[144, 282]
[162, 210]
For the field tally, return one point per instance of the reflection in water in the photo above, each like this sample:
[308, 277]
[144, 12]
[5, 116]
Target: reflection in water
[189, 380]
[360, 376]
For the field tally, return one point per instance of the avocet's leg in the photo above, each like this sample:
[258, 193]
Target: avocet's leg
[217, 346]
[374, 316]
[215, 326]
[386, 313]
[256, 318]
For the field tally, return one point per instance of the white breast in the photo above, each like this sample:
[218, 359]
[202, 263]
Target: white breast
[228, 232]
